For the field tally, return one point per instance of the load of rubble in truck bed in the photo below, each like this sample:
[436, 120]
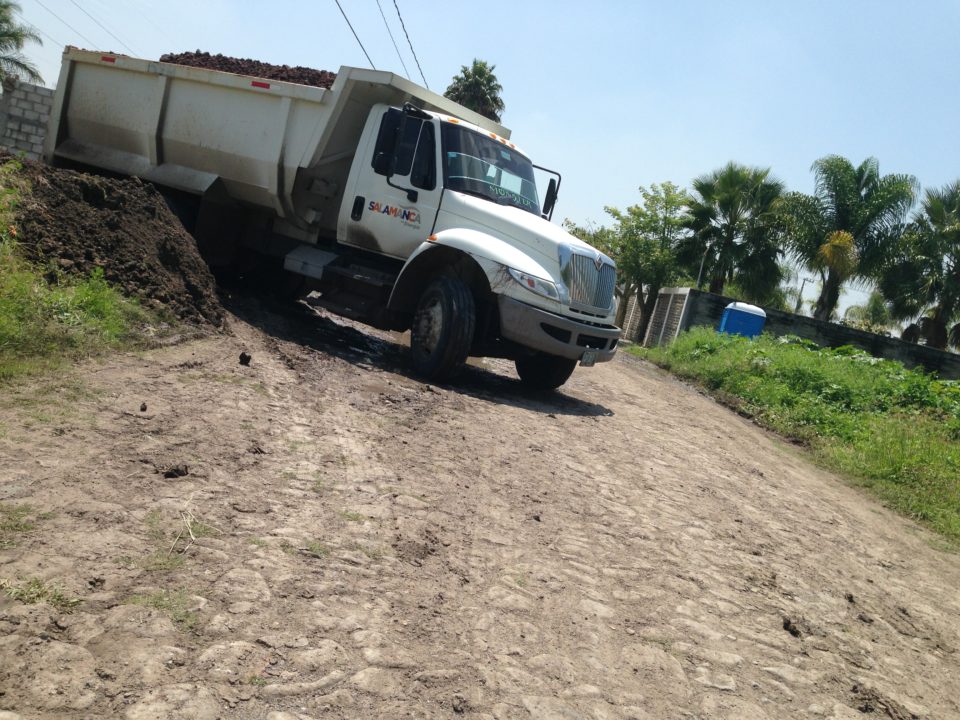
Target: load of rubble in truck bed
[252, 68]
[74, 222]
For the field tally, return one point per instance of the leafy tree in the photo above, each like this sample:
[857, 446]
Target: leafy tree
[923, 275]
[13, 36]
[477, 88]
[652, 232]
[643, 241]
[733, 238]
[845, 229]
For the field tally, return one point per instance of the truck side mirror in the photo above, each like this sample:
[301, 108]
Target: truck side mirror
[550, 199]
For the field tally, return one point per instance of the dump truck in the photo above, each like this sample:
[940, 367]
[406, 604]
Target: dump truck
[389, 204]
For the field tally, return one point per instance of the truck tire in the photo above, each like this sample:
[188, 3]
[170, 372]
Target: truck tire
[442, 329]
[544, 372]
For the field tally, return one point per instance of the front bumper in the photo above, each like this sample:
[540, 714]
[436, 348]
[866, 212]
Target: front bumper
[555, 334]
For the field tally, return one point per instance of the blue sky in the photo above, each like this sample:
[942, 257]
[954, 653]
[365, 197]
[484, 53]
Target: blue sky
[612, 94]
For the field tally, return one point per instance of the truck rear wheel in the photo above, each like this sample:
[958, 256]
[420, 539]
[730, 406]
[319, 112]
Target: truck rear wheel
[442, 330]
[544, 372]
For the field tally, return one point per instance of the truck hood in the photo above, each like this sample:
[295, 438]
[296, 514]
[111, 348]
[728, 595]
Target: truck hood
[539, 238]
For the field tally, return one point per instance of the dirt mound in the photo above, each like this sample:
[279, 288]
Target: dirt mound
[252, 68]
[80, 222]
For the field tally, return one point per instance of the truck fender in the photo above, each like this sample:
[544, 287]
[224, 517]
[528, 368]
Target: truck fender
[489, 255]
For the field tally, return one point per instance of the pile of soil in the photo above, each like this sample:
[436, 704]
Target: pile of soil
[79, 222]
[252, 68]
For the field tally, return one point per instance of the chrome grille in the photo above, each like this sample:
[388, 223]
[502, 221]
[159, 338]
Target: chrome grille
[590, 287]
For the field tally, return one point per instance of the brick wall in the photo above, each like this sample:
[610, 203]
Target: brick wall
[24, 112]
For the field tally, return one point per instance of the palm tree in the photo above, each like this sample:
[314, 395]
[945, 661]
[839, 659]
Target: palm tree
[873, 316]
[836, 258]
[923, 276]
[13, 36]
[733, 239]
[869, 209]
[477, 88]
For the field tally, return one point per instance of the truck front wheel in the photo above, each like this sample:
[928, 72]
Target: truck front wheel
[442, 330]
[544, 372]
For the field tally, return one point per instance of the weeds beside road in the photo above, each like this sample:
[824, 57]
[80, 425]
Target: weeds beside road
[895, 431]
[45, 317]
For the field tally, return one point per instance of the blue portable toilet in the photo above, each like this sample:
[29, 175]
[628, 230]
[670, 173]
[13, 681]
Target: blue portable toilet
[742, 319]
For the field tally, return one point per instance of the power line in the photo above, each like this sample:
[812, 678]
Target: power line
[355, 35]
[87, 40]
[130, 49]
[42, 32]
[403, 25]
[390, 33]
[156, 26]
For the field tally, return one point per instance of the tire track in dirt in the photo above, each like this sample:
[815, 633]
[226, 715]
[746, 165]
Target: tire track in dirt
[370, 546]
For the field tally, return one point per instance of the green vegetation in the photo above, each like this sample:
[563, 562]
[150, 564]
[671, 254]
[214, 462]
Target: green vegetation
[873, 316]
[35, 590]
[16, 520]
[159, 561]
[921, 277]
[644, 241]
[317, 550]
[846, 229]
[739, 232]
[176, 605]
[13, 36]
[477, 88]
[895, 431]
[46, 318]
[172, 538]
[731, 218]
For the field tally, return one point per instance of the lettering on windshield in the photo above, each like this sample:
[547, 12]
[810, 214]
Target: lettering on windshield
[407, 216]
[477, 165]
[514, 198]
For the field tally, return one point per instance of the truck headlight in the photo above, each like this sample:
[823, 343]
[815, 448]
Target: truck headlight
[535, 285]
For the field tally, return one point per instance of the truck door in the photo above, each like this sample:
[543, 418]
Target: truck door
[383, 218]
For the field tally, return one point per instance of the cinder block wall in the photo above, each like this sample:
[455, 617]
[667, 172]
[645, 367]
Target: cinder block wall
[24, 112]
[631, 320]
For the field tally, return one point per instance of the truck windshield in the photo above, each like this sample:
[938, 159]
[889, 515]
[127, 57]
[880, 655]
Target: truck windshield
[481, 166]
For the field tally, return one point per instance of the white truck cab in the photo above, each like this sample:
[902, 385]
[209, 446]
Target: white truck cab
[397, 206]
[429, 180]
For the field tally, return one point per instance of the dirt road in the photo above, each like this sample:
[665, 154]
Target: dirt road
[317, 535]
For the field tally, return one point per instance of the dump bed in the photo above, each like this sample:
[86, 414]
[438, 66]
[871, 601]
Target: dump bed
[277, 145]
